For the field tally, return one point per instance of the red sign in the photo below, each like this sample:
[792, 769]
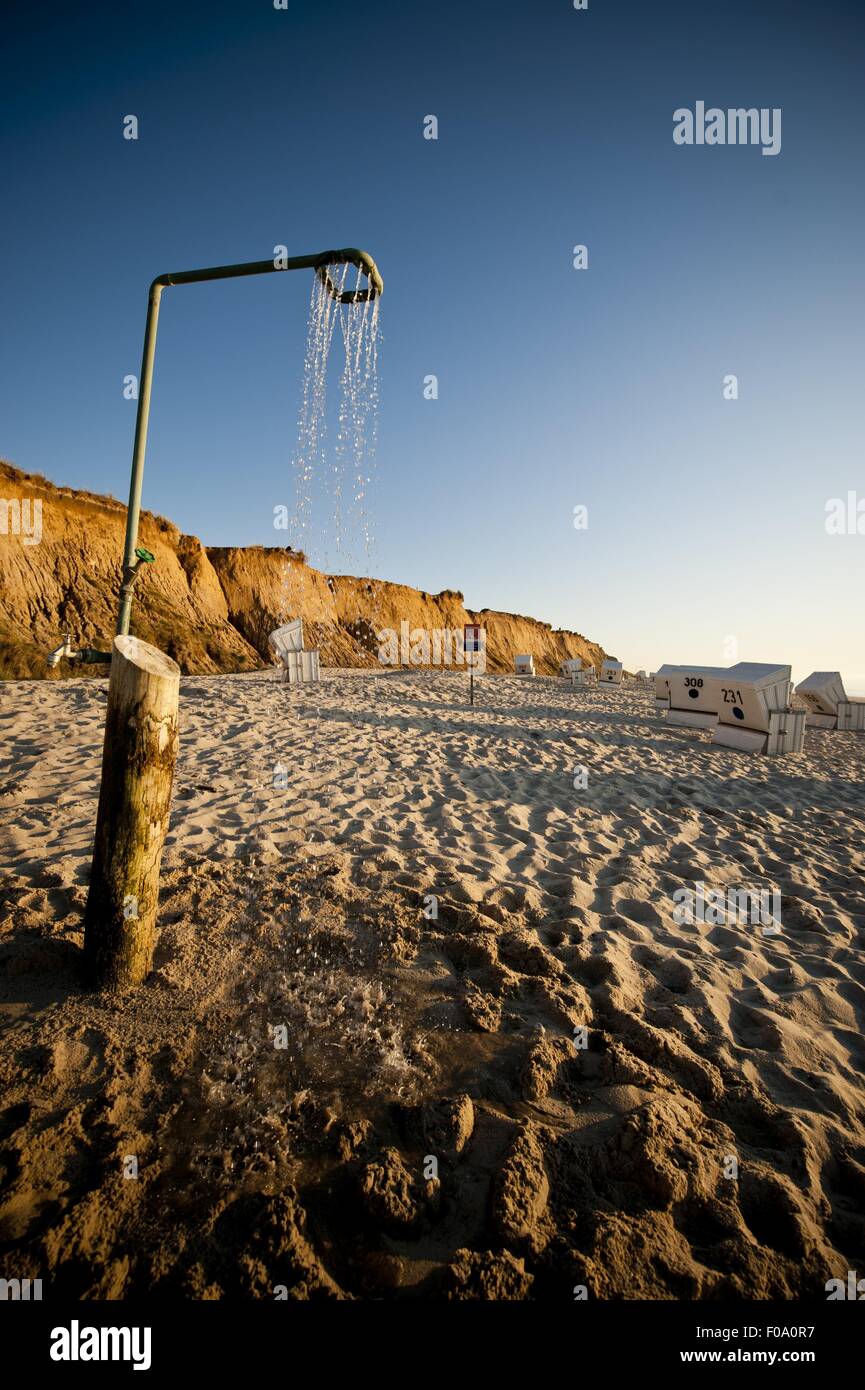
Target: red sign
[471, 637]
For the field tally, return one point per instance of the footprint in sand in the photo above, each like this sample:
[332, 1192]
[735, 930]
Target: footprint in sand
[753, 1029]
[673, 974]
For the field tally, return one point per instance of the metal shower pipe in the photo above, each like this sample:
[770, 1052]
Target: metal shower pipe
[319, 263]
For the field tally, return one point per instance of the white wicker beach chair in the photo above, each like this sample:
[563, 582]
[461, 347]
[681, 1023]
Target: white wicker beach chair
[299, 665]
[829, 706]
[754, 712]
[692, 699]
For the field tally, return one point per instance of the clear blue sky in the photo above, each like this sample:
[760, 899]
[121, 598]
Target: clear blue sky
[556, 387]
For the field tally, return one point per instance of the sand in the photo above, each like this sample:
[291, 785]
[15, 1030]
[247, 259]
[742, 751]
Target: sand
[438, 1124]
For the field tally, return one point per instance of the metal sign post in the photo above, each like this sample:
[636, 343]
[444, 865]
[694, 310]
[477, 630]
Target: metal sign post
[471, 644]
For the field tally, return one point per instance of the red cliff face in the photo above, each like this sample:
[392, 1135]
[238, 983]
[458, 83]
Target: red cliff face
[210, 609]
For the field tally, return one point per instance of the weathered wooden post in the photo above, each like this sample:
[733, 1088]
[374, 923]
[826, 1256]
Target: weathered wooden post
[138, 760]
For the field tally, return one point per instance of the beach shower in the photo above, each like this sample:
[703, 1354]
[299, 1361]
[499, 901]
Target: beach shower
[331, 272]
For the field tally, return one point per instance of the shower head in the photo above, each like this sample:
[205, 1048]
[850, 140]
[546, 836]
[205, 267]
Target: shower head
[349, 256]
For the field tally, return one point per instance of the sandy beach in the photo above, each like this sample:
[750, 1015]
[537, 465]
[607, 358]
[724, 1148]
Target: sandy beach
[472, 960]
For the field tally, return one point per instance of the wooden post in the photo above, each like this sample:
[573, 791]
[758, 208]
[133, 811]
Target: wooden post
[138, 760]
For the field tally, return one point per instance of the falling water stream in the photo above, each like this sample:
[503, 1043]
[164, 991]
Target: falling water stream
[332, 482]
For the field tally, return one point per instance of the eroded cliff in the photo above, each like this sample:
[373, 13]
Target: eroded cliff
[210, 609]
